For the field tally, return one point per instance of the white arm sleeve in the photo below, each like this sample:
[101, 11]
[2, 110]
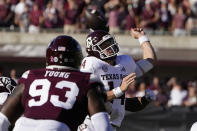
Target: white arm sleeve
[4, 122]
[100, 121]
[3, 97]
[142, 67]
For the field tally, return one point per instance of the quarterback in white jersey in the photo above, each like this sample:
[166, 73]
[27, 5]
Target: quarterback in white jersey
[111, 76]
[117, 72]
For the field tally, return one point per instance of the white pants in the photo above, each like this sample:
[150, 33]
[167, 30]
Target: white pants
[27, 124]
[88, 126]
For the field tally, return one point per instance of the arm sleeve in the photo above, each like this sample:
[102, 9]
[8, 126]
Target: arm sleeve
[134, 105]
[142, 67]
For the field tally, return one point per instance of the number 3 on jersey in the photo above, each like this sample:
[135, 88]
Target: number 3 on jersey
[71, 94]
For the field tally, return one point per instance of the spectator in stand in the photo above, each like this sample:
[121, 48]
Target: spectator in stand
[70, 17]
[189, 24]
[40, 4]
[13, 4]
[155, 85]
[178, 23]
[130, 18]
[50, 16]
[113, 9]
[19, 9]
[191, 99]
[23, 20]
[177, 94]
[13, 75]
[5, 14]
[161, 96]
[165, 16]
[172, 7]
[149, 16]
[141, 89]
[36, 19]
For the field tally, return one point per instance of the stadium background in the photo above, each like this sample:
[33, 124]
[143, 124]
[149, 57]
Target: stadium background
[27, 26]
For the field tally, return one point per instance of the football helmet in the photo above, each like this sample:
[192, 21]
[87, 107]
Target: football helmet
[101, 45]
[7, 85]
[64, 51]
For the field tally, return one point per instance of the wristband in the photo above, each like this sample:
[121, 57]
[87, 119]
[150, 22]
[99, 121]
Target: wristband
[117, 92]
[143, 39]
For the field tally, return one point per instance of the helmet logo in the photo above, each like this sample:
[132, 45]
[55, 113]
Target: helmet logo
[95, 39]
[55, 59]
[88, 42]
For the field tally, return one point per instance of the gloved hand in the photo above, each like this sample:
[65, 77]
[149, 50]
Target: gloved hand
[149, 95]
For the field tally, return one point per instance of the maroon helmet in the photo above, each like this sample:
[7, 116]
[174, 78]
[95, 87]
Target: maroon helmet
[64, 51]
[101, 45]
[7, 85]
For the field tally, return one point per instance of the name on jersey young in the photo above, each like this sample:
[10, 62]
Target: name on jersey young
[57, 74]
[112, 76]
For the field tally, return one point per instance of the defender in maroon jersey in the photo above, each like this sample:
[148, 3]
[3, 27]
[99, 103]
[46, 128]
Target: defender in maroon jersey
[58, 97]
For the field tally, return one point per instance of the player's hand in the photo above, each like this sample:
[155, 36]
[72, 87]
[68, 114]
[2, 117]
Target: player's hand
[137, 32]
[127, 81]
[149, 95]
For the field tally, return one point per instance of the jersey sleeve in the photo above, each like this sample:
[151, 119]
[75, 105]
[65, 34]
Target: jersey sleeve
[87, 65]
[24, 77]
[130, 63]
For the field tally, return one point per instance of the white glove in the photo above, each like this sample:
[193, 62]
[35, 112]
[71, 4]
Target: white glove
[149, 95]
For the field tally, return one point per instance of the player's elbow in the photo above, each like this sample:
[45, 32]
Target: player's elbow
[152, 60]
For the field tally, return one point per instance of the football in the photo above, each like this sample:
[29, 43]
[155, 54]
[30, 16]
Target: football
[96, 20]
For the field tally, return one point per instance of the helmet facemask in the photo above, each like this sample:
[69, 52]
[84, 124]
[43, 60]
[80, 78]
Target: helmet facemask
[107, 47]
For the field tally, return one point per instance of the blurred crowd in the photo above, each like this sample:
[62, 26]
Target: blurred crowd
[170, 92]
[177, 17]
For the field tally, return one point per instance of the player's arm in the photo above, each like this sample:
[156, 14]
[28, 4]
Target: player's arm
[119, 91]
[12, 108]
[139, 103]
[99, 116]
[149, 55]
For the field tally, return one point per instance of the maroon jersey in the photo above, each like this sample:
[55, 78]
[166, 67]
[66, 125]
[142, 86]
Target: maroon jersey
[56, 94]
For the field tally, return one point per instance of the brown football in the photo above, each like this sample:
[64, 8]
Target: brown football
[96, 20]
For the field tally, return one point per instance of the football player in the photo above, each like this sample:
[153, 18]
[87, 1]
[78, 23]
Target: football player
[117, 72]
[58, 97]
[7, 86]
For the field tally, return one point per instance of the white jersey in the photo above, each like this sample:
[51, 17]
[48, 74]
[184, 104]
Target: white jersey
[111, 77]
